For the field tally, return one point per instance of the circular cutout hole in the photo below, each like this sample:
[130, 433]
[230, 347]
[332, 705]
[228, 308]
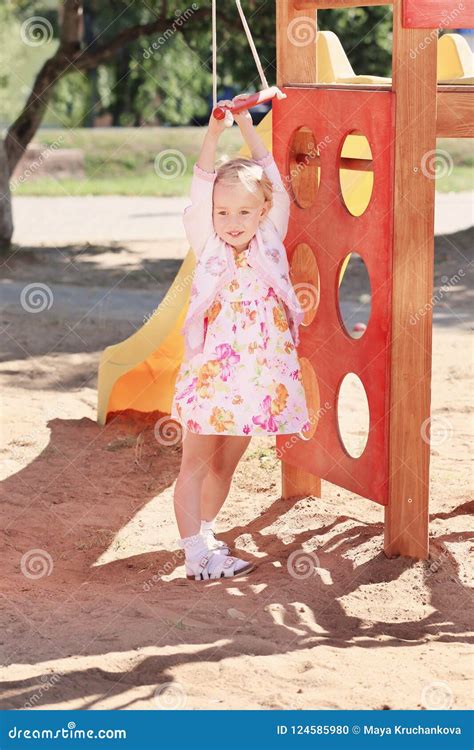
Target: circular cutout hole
[304, 166]
[356, 173]
[304, 276]
[353, 415]
[311, 389]
[354, 295]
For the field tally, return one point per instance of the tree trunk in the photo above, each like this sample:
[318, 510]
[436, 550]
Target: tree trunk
[68, 56]
[6, 220]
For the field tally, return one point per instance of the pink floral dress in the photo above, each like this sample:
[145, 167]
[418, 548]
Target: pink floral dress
[247, 380]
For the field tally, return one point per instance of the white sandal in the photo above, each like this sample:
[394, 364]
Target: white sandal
[222, 566]
[216, 545]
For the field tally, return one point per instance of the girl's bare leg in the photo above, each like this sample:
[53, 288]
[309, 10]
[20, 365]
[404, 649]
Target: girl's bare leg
[228, 451]
[196, 460]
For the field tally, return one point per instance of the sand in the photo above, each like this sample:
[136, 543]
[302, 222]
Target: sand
[96, 611]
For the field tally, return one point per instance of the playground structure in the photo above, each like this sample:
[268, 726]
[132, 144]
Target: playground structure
[354, 150]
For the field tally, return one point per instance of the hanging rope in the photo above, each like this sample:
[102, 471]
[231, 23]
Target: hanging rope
[252, 45]
[214, 53]
[268, 93]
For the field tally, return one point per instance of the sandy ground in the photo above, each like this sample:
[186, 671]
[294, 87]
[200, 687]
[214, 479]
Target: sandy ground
[96, 612]
[118, 218]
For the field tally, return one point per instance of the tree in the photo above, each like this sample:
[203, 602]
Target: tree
[73, 54]
[153, 60]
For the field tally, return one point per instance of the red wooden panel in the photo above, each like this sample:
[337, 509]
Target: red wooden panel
[332, 232]
[442, 14]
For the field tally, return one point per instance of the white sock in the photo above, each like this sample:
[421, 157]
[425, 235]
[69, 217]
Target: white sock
[207, 526]
[194, 547]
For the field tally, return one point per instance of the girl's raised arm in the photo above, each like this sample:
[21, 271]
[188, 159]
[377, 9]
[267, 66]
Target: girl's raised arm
[279, 213]
[197, 218]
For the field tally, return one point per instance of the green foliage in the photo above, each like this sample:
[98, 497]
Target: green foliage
[366, 35]
[166, 78]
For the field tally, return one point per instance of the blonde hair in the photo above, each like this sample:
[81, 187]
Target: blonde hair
[246, 171]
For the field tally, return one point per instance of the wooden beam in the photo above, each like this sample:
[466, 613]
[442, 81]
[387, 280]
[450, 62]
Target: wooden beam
[455, 116]
[296, 45]
[414, 83]
[441, 14]
[328, 4]
[296, 482]
[296, 64]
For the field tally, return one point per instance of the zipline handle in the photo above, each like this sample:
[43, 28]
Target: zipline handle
[260, 97]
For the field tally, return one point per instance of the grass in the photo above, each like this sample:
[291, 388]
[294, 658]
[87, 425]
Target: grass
[122, 161]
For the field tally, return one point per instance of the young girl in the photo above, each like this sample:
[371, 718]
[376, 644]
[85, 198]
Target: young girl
[240, 375]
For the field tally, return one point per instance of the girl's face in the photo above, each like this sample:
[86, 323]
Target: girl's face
[237, 213]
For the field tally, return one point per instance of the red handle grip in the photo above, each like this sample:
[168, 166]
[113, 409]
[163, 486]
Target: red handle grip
[250, 101]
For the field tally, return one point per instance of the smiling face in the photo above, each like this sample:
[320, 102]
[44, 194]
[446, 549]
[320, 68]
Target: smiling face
[237, 213]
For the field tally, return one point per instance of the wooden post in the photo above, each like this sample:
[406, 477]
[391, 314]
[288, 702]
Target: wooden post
[296, 44]
[414, 83]
[296, 63]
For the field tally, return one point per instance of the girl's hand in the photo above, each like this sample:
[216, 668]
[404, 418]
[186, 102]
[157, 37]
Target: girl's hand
[244, 117]
[216, 127]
